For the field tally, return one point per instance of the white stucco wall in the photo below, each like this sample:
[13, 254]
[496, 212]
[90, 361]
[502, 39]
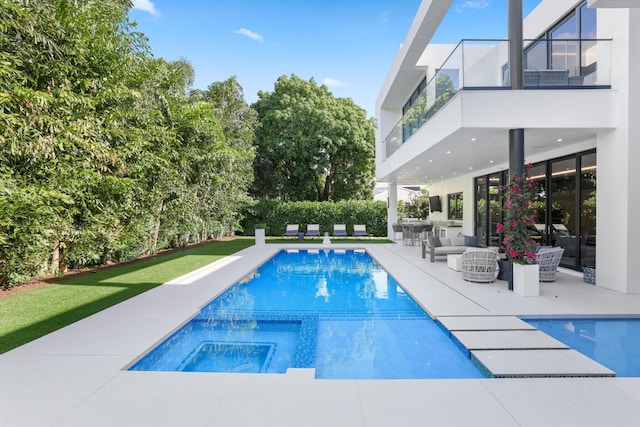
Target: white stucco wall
[618, 197]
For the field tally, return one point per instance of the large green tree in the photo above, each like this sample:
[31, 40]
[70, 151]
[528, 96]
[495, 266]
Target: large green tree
[311, 145]
[105, 152]
[58, 61]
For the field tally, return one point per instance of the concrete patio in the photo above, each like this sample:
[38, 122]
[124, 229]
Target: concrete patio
[76, 376]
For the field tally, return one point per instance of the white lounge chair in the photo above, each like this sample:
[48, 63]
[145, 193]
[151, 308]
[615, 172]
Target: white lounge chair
[479, 265]
[339, 230]
[548, 262]
[360, 230]
[313, 230]
[291, 231]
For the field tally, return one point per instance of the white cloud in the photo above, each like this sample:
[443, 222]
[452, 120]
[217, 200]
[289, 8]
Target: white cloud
[255, 36]
[384, 17]
[475, 4]
[146, 6]
[331, 82]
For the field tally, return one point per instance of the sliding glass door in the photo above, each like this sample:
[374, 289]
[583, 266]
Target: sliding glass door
[563, 207]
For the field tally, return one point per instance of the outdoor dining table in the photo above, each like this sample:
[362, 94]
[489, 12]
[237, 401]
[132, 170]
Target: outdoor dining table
[412, 232]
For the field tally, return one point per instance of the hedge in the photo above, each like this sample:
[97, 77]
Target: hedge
[276, 215]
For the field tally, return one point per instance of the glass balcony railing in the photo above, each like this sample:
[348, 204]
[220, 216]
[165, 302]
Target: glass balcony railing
[484, 65]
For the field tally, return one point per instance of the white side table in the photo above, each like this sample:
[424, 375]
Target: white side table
[454, 262]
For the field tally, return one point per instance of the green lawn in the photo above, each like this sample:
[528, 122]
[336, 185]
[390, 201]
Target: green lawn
[31, 314]
[318, 240]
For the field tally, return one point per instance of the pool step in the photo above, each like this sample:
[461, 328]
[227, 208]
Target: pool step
[508, 347]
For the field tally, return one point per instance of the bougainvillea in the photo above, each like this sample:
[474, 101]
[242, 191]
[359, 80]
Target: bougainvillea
[517, 242]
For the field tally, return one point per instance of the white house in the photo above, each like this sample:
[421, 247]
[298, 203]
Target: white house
[445, 113]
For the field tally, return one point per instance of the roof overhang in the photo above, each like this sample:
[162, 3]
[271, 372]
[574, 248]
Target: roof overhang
[613, 3]
[472, 131]
[405, 70]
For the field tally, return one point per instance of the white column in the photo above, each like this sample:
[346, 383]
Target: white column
[392, 209]
[618, 156]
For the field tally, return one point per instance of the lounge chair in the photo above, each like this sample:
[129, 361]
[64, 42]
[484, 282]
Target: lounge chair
[479, 265]
[292, 231]
[360, 230]
[548, 261]
[313, 230]
[554, 78]
[531, 78]
[339, 230]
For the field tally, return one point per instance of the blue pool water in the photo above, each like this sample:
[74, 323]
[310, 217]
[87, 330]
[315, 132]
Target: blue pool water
[614, 343]
[335, 311]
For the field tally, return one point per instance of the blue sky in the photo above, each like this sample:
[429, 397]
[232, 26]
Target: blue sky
[348, 45]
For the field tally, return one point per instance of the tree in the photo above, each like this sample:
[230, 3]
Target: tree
[58, 61]
[418, 205]
[105, 154]
[311, 145]
[445, 90]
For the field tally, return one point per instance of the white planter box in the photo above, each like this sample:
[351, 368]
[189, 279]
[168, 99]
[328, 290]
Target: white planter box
[526, 280]
[260, 237]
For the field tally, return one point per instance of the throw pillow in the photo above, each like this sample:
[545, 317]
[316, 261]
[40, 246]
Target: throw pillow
[472, 241]
[434, 241]
[458, 241]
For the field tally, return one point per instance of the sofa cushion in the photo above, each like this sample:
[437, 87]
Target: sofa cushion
[434, 241]
[445, 241]
[457, 241]
[449, 250]
[472, 241]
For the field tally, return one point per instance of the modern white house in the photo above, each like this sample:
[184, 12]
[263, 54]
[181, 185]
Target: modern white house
[445, 113]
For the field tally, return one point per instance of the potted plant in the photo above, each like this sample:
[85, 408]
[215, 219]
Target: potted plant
[517, 241]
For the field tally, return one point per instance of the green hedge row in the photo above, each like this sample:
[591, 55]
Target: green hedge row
[276, 215]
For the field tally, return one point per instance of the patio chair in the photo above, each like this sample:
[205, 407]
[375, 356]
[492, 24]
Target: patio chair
[531, 78]
[554, 78]
[360, 230]
[339, 230]
[291, 231]
[479, 265]
[548, 262]
[576, 80]
[397, 228]
[313, 230]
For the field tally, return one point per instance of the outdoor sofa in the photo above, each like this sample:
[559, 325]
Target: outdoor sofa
[443, 246]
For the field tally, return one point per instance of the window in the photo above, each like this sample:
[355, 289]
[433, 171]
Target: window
[563, 206]
[455, 206]
[411, 111]
[562, 47]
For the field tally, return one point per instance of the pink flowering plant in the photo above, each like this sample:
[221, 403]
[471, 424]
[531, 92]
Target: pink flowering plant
[517, 242]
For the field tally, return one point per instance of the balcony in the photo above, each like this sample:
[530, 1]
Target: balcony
[484, 65]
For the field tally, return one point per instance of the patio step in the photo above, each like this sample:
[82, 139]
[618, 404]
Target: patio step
[508, 347]
[507, 340]
[484, 323]
[539, 363]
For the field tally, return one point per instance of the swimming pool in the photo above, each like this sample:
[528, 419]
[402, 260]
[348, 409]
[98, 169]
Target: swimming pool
[614, 343]
[336, 311]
